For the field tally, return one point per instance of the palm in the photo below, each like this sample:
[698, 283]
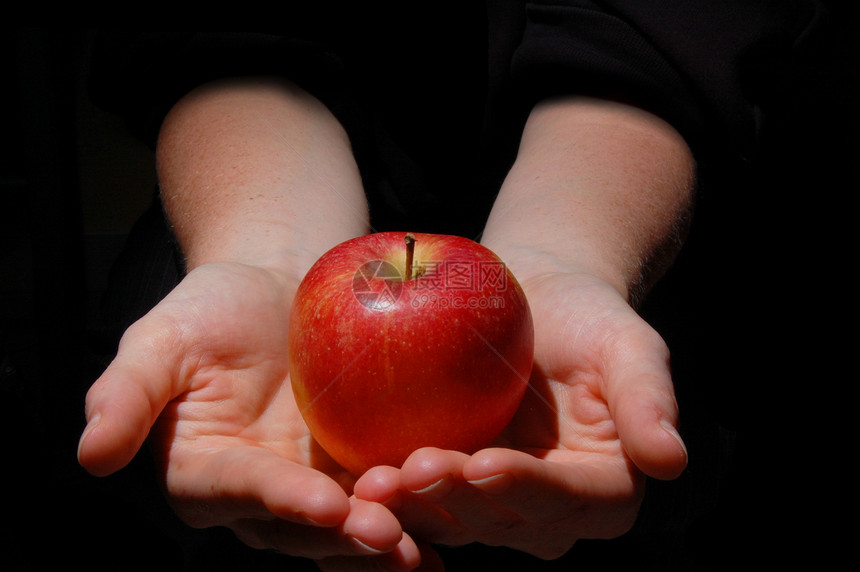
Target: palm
[560, 471]
[207, 368]
[565, 415]
[232, 365]
[231, 405]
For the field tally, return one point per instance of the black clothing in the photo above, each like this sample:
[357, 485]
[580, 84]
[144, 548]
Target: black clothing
[433, 97]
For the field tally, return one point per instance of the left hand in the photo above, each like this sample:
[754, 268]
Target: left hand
[599, 415]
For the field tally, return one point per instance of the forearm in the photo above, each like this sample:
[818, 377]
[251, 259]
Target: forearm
[597, 187]
[258, 171]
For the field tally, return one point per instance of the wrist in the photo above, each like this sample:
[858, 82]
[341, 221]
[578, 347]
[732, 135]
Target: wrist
[284, 259]
[532, 263]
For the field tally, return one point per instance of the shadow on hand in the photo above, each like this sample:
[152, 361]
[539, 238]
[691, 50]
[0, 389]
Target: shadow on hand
[534, 427]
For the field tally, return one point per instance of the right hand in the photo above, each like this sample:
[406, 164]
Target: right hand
[204, 376]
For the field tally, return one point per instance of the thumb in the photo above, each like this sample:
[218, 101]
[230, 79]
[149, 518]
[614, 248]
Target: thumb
[122, 405]
[643, 405]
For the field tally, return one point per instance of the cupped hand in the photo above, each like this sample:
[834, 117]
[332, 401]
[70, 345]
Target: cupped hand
[599, 414]
[204, 377]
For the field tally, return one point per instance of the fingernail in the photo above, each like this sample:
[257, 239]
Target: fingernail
[91, 424]
[492, 484]
[432, 487]
[485, 480]
[670, 429]
[364, 547]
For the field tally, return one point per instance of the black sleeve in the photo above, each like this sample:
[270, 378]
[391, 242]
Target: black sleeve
[707, 67]
[139, 76]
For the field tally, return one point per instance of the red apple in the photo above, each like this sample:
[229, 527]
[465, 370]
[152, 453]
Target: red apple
[401, 341]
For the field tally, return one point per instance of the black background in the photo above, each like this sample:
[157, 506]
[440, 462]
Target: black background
[750, 310]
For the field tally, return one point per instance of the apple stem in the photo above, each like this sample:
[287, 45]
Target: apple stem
[410, 249]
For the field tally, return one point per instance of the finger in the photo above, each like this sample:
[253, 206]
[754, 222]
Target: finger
[436, 504]
[435, 476]
[422, 517]
[406, 556]
[123, 404]
[641, 398]
[118, 421]
[368, 530]
[430, 471]
[546, 492]
[379, 484]
[372, 527]
[418, 515]
[250, 482]
[557, 504]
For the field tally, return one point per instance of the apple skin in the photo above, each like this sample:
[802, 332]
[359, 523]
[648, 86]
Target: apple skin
[442, 362]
